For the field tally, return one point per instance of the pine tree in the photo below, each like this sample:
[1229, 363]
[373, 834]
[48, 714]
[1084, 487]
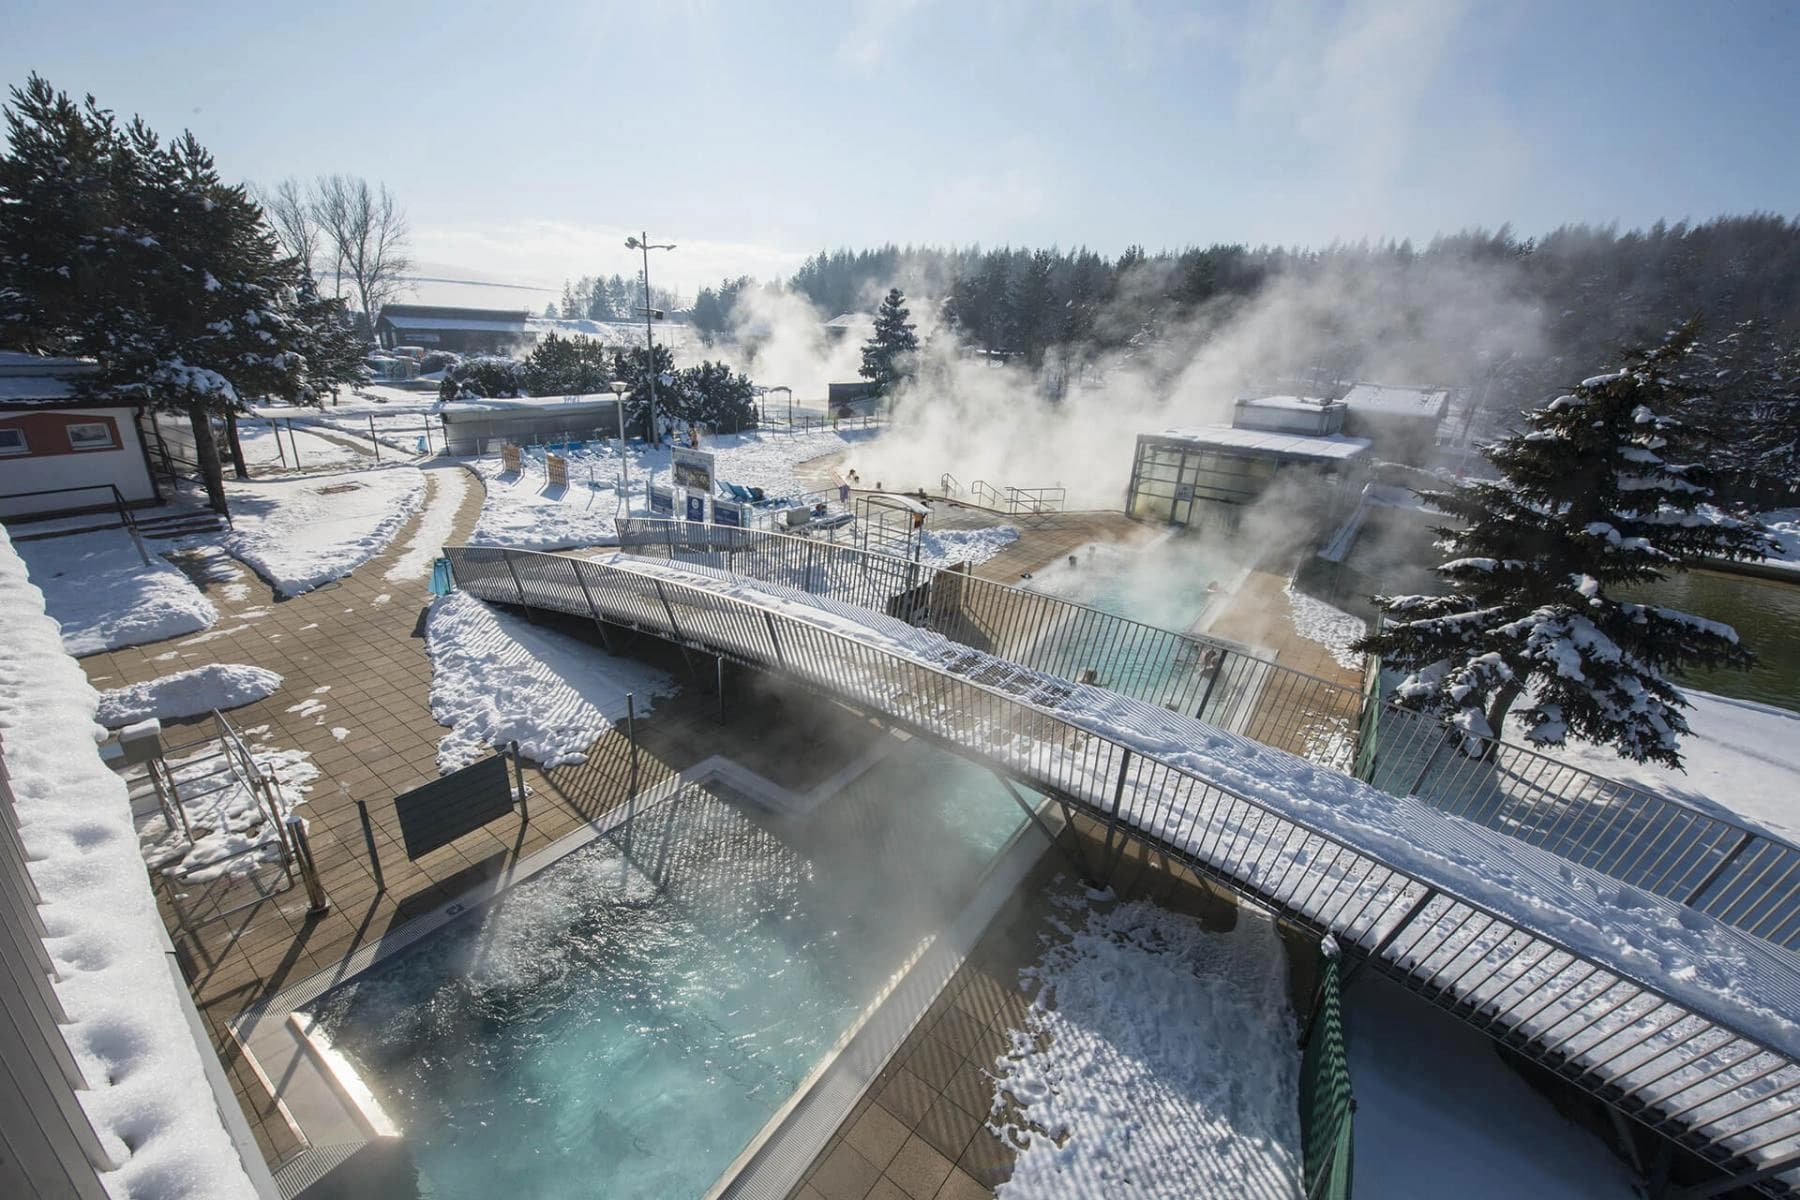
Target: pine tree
[170, 280]
[629, 366]
[887, 358]
[1602, 491]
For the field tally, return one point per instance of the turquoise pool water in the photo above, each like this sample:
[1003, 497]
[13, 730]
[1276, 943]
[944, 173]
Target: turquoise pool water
[622, 1024]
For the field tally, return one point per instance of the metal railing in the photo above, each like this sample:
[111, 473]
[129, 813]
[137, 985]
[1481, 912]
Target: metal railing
[1327, 1106]
[123, 510]
[1718, 865]
[1692, 1064]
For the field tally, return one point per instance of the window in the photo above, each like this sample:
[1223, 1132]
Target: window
[97, 435]
[12, 441]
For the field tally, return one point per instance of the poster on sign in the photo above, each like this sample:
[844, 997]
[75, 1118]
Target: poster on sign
[725, 512]
[662, 500]
[557, 468]
[696, 507]
[509, 458]
[692, 469]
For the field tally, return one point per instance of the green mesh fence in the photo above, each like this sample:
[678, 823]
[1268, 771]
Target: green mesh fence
[1327, 1109]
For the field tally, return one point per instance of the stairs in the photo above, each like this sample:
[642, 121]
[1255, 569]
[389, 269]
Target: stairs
[180, 523]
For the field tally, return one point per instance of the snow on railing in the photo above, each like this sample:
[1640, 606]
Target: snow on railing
[1676, 1019]
[1737, 873]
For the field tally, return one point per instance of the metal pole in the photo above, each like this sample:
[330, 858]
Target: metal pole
[294, 443]
[373, 440]
[650, 339]
[631, 729]
[624, 459]
[316, 902]
[519, 774]
[719, 683]
[362, 812]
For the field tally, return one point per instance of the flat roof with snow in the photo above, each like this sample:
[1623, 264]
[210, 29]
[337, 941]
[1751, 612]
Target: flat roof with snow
[478, 326]
[1387, 400]
[1268, 444]
[1311, 404]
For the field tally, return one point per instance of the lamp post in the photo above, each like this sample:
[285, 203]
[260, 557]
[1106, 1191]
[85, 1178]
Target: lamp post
[644, 244]
[618, 390]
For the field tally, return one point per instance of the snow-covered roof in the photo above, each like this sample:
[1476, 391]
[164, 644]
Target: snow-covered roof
[1311, 404]
[849, 321]
[1386, 399]
[404, 322]
[1335, 448]
[515, 403]
[38, 378]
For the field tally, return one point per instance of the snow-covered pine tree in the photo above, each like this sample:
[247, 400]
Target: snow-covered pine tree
[887, 356]
[1603, 489]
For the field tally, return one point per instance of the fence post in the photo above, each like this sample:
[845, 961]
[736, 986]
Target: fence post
[362, 813]
[519, 775]
[373, 440]
[1212, 681]
[719, 683]
[316, 901]
[631, 731]
[663, 595]
[774, 642]
[511, 570]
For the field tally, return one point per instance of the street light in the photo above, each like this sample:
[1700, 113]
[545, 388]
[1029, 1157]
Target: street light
[643, 243]
[618, 387]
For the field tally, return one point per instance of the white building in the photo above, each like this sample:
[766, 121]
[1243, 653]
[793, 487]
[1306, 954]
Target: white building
[59, 453]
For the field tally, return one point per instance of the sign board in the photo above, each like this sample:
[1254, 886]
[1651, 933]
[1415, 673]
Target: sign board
[557, 468]
[662, 500]
[509, 457]
[1184, 491]
[461, 802]
[692, 469]
[696, 506]
[726, 512]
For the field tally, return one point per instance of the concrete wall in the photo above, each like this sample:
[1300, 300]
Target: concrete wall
[53, 463]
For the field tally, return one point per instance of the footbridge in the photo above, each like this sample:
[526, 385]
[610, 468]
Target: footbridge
[1685, 1022]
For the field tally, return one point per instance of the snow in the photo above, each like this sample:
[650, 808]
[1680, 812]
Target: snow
[147, 1094]
[1332, 628]
[525, 512]
[496, 678]
[300, 533]
[1158, 1060]
[942, 547]
[1741, 758]
[104, 597]
[1439, 1114]
[265, 447]
[1336, 447]
[187, 693]
[449, 486]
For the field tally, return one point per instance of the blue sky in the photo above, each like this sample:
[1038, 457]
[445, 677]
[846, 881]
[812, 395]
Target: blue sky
[525, 138]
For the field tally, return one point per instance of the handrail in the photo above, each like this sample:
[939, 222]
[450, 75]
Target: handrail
[125, 518]
[1665, 845]
[1666, 1052]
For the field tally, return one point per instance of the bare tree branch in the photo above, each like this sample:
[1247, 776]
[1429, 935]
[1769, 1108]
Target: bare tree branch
[364, 232]
[290, 214]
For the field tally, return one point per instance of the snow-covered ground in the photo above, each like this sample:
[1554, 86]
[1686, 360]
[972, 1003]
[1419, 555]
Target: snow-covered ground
[496, 679]
[147, 1094]
[1158, 1060]
[104, 597]
[942, 547]
[450, 484]
[1332, 628]
[1784, 523]
[187, 693]
[1742, 757]
[300, 533]
[525, 512]
[1438, 1113]
[233, 832]
[295, 449]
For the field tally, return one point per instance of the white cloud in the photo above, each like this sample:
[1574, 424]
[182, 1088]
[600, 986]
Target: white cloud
[875, 27]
